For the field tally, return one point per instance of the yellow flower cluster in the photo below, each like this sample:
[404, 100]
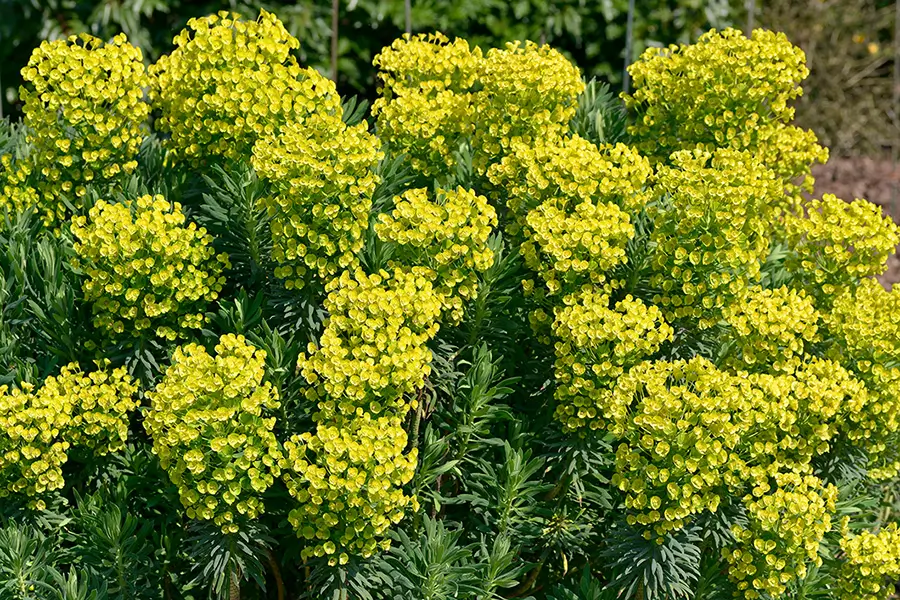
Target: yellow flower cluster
[838, 243]
[427, 98]
[372, 351]
[595, 344]
[230, 82]
[865, 337]
[791, 152]
[689, 433]
[427, 62]
[97, 404]
[871, 565]
[448, 236]
[32, 446]
[348, 481]
[679, 442]
[794, 418]
[37, 428]
[569, 249]
[146, 270]
[869, 344]
[570, 203]
[771, 329]
[208, 426]
[348, 475]
[827, 402]
[323, 175]
[708, 239]
[571, 170]
[17, 187]
[529, 92]
[435, 93]
[84, 109]
[786, 525]
[726, 91]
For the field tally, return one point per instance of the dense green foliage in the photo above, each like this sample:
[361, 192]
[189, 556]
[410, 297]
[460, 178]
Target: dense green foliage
[510, 337]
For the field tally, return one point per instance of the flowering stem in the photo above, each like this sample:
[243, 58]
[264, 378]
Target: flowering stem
[234, 592]
[414, 435]
[276, 573]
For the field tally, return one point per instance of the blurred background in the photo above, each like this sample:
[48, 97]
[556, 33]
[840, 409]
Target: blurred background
[851, 100]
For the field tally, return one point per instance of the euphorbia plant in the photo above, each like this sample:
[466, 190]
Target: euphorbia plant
[495, 342]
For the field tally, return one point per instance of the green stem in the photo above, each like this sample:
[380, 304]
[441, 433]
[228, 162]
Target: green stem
[120, 569]
[276, 573]
[529, 581]
[480, 312]
[417, 420]
[234, 592]
[563, 482]
[234, 579]
[252, 241]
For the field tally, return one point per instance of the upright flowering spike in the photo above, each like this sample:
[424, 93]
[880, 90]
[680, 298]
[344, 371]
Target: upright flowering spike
[323, 176]
[786, 523]
[837, 243]
[427, 104]
[230, 82]
[348, 478]
[529, 92]
[572, 249]
[571, 206]
[38, 426]
[32, 447]
[372, 351]
[709, 233]
[371, 356]
[84, 108]
[727, 91]
[147, 270]
[209, 425]
[448, 236]
[99, 406]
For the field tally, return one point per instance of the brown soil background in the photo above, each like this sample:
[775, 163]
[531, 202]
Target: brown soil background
[876, 180]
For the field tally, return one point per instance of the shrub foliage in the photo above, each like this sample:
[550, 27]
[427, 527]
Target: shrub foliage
[510, 338]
